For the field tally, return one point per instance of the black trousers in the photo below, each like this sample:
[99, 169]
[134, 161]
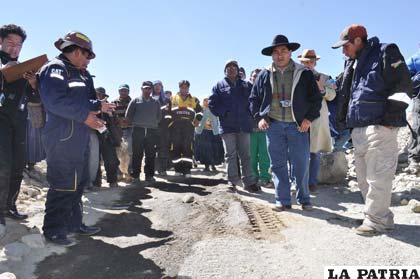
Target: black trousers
[182, 136]
[162, 160]
[414, 147]
[111, 163]
[64, 209]
[144, 144]
[12, 158]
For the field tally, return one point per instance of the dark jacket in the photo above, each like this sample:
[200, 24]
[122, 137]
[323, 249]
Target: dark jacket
[15, 94]
[368, 92]
[144, 113]
[68, 95]
[230, 103]
[306, 98]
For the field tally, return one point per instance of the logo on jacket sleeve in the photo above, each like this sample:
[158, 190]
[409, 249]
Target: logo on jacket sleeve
[57, 73]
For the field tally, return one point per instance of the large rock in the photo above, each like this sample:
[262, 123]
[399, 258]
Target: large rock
[333, 168]
[7, 275]
[32, 192]
[16, 251]
[33, 240]
[414, 205]
[188, 198]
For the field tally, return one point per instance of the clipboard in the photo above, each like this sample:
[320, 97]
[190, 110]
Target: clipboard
[16, 72]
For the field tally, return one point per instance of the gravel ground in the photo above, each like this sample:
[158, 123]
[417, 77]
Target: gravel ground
[219, 234]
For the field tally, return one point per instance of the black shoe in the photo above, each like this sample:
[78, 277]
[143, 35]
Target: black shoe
[252, 188]
[88, 230]
[213, 168]
[280, 208]
[150, 179]
[313, 188]
[307, 206]
[232, 188]
[60, 240]
[14, 214]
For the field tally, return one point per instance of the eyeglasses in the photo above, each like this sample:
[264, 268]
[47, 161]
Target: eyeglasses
[85, 53]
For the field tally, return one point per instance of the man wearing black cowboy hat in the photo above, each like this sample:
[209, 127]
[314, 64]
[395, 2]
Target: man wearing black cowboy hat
[285, 99]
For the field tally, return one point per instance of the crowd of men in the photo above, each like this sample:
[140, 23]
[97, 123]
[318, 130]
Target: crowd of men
[273, 127]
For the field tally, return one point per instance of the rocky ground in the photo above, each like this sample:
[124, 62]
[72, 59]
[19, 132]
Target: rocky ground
[195, 228]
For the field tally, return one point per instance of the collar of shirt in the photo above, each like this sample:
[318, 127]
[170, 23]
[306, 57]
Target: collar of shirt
[290, 67]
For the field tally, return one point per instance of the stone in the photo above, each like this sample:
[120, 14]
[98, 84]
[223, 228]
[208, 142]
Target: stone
[7, 275]
[404, 202]
[333, 168]
[16, 251]
[32, 192]
[414, 205]
[33, 240]
[352, 184]
[188, 198]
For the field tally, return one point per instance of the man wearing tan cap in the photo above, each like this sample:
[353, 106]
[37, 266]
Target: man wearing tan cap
[374, 94]
[320, 137]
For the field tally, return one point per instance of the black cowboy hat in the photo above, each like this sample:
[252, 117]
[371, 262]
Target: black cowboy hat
[280, 40]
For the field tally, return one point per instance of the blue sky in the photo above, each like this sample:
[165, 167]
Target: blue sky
[184, 39]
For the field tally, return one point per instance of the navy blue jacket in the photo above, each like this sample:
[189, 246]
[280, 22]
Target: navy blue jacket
[306, 98]
[380, 72]
[230, 103]
[68, 95]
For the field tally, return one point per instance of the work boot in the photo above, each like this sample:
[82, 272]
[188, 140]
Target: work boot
[253, 188]
[313, 188]
[88, 230]
[60, 240]
[113, 185]
[266, 184]
[365, 230]
[306, 206]
[150, 179]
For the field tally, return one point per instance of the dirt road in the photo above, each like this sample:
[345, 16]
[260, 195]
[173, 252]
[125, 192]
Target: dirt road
[225, 235]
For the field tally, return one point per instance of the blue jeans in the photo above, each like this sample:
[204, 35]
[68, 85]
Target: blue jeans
[314, 161]
[286, 142]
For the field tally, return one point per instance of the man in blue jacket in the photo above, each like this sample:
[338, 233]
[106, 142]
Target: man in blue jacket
[374, 94]
[285, 100]
[69, 98]
[229, 101]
